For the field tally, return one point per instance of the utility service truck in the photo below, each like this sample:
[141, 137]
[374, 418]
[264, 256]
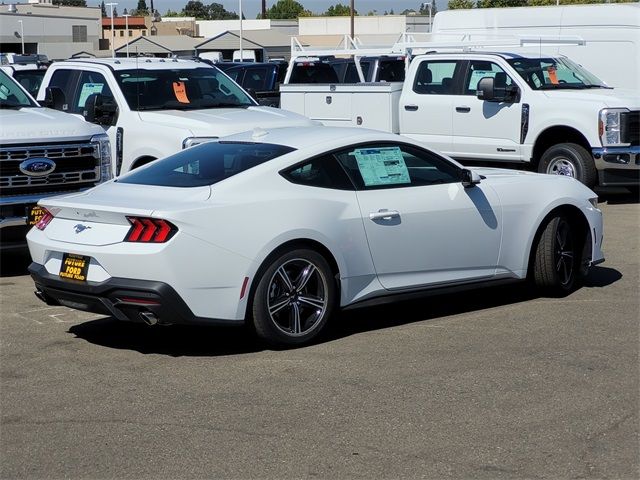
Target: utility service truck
[544, 112]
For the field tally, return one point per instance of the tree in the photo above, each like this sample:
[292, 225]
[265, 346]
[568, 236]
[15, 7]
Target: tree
[125, 12]
[339, 10]
[501, 3]
[103, 8]
[458, 4]
[141, 9]
[284, 9]
[424, 8]
[408, 11]
[216, 11]
[71, 3]
[195, 8]
[171, 13]
[115, 11]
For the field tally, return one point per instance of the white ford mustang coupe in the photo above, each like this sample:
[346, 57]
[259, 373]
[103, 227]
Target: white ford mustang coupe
[281, 227]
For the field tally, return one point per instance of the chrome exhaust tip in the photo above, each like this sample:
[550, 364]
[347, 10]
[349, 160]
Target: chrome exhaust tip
[40, 294]
[149, 318]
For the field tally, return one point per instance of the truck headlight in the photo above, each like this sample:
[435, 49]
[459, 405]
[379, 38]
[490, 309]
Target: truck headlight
[104, 149]
[193, 141]
[609, 127]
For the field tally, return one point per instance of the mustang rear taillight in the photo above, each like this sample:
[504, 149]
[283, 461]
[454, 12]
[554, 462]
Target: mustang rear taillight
[149, 230]
[44, 220]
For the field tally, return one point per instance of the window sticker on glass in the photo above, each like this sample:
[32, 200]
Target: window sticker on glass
[89, 89]
[180, 91]
[382, 166]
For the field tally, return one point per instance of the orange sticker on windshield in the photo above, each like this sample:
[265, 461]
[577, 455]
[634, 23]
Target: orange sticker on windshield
[553, 77]
[180, 91]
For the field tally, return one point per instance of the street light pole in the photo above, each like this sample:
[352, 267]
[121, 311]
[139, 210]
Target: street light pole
[21, 34]
[241, 54]
[126, 28]
[113, 51]
[352, 13]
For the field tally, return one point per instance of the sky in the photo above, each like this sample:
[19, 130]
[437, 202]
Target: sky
[251, 8]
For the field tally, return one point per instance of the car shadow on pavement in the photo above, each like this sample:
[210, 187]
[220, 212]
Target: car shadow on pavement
[182, 340]
[617, 195]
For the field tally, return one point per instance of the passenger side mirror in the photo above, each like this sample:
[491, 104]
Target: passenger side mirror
[486, 89]
[100, 110]
[469, 178]
[54, 98]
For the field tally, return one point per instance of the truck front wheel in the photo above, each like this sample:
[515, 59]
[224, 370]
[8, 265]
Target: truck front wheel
[569, 159]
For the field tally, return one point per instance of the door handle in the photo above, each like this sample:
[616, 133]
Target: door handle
[384, 215]
[411, 108]
[463, 109]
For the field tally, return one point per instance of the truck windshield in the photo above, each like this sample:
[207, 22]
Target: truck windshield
[554, 73]
[180, 89]
[11, 95]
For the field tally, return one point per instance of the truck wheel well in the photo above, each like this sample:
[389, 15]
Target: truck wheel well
[578, 222]
[554, 136]
[141, 161]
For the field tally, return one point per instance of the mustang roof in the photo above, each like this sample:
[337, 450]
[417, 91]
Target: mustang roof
[302, 137]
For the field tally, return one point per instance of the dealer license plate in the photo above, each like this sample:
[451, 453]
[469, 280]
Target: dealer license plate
[74, 267]
[34, 215]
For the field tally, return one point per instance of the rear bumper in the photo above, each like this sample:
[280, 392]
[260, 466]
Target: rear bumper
[617, 165]
[125, 299]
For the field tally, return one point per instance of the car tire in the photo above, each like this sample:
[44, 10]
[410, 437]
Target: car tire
[569, 159]
[294, 298]
[556, 265]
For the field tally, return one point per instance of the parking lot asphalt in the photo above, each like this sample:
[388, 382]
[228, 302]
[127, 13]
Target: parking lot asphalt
[494, 383]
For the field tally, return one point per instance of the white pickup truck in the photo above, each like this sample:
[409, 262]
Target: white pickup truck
[544, 111]
[42, 153]
[154, 107]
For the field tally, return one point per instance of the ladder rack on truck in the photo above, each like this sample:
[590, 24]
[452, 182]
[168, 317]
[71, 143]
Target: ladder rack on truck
[409, 46]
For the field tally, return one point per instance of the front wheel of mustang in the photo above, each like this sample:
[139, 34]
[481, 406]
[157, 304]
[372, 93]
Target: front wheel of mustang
[557, 259]
[294, 298]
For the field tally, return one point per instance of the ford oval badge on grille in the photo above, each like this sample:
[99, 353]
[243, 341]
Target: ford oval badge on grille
[37, 167]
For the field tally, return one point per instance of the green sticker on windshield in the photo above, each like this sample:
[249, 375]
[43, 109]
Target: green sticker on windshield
[382, 166]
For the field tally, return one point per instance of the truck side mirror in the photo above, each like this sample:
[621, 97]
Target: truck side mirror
[486, 89]
[54, 98]
[100, 110]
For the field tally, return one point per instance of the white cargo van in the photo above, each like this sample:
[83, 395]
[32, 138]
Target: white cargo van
[611, 33]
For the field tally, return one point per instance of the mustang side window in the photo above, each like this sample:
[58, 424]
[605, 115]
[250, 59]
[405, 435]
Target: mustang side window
[395, 166]
[324, 172]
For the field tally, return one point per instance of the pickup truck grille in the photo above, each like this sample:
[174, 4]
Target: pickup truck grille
[77, 164]
[630, 127]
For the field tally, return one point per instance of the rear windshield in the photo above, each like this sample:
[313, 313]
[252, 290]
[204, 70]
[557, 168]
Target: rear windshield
[205, 164]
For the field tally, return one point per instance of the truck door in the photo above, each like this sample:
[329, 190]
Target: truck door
[484, 130]
[77, 87]
[426, 103]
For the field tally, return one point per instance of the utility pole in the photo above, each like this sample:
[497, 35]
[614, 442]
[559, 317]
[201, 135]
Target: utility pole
[352, 8]
[113, 50]
[241, 53]
[126, 27]
[21, 34]
[264, 9]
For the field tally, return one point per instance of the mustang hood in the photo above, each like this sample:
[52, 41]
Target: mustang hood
[219, 122]
[35, 125]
